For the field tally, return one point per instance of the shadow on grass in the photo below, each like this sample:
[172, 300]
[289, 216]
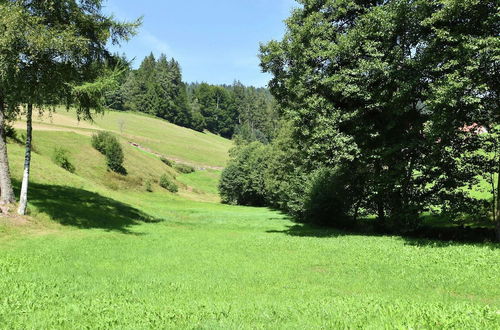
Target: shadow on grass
[426, 236]
[84, 209]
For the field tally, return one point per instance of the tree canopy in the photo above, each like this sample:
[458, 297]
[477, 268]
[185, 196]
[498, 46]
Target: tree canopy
[393, 94]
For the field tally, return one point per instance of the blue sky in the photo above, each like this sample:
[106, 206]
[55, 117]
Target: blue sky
[215, 41]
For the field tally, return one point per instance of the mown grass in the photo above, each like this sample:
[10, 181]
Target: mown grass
[208, 265]
[204, 180]
[159, 135]
[102, 253]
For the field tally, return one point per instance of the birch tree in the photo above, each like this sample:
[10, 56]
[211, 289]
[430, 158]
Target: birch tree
[64, 61]
[12, 24]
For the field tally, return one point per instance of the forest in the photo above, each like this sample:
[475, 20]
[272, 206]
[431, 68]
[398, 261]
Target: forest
[157, 88]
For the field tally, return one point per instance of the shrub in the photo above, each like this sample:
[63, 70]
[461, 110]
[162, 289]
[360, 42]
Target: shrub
[167, 162]
[114, 156]
[167, 183]
[183, 168]
[10, 132]
[286, 173]
[107, 144]
[60, 157]
[100, 141]
[242, 181]
[331, 199]
[148, 185]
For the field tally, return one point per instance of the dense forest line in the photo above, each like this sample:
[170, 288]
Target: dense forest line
[389, 111]
[157, 88]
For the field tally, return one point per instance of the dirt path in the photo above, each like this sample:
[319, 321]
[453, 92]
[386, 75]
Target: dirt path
[52, 127]
[177, 160]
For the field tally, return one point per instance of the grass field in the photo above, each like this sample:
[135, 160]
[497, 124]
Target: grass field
[98, 251]
[208, 265]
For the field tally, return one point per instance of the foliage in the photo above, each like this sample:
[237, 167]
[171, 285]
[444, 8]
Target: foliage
[183, 168]
[156, 88]
[167, 161]
[61, 158]
[241, 181]
[100, 140]
[10, 132]
[247, 112]
[107, 144]
[331, 199]
[47, 49]
[148, 185]
[285, 177]
[387, 88]
[114, 156]
[167, 183]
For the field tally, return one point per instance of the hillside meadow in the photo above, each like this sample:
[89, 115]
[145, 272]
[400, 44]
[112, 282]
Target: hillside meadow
[99, 251]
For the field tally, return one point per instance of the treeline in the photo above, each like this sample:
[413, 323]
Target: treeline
[389, 110]
[157, 88]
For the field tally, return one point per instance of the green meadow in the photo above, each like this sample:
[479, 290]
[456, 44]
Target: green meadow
[99, 251]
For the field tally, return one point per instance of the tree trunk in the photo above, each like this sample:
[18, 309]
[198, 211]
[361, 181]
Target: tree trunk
[497, 215]
[379, 199]
[23, 198]
[380, 211]
[7, 193]
[497, 229]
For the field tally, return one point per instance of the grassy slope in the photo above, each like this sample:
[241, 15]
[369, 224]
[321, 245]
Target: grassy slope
[165, 138]
[101, 252]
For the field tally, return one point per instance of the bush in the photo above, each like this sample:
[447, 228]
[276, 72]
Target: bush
[114, 156]
[242, 181]
[183, 168]
[167, 162]
[100, 141]
[331, 199]
[10, 132]
[107, 144]
[60, 157]
[286, 173]
[148, 185]
[167, 183]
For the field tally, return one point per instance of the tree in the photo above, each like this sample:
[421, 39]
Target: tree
[116, 97]
[462, 66]
[386, 88]
[242, 181]
[197, 119]
[15, 26]
[66, 61]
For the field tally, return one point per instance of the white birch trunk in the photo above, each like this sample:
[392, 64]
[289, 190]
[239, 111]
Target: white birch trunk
[23, 198]
[497, 215]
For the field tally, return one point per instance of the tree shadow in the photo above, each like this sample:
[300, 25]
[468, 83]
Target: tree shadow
[84, 209]
[430, 237]
[303, 230]
[451, 236]
[120, 170]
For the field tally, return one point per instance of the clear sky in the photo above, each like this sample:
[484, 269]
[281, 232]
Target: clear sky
[216, 41]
